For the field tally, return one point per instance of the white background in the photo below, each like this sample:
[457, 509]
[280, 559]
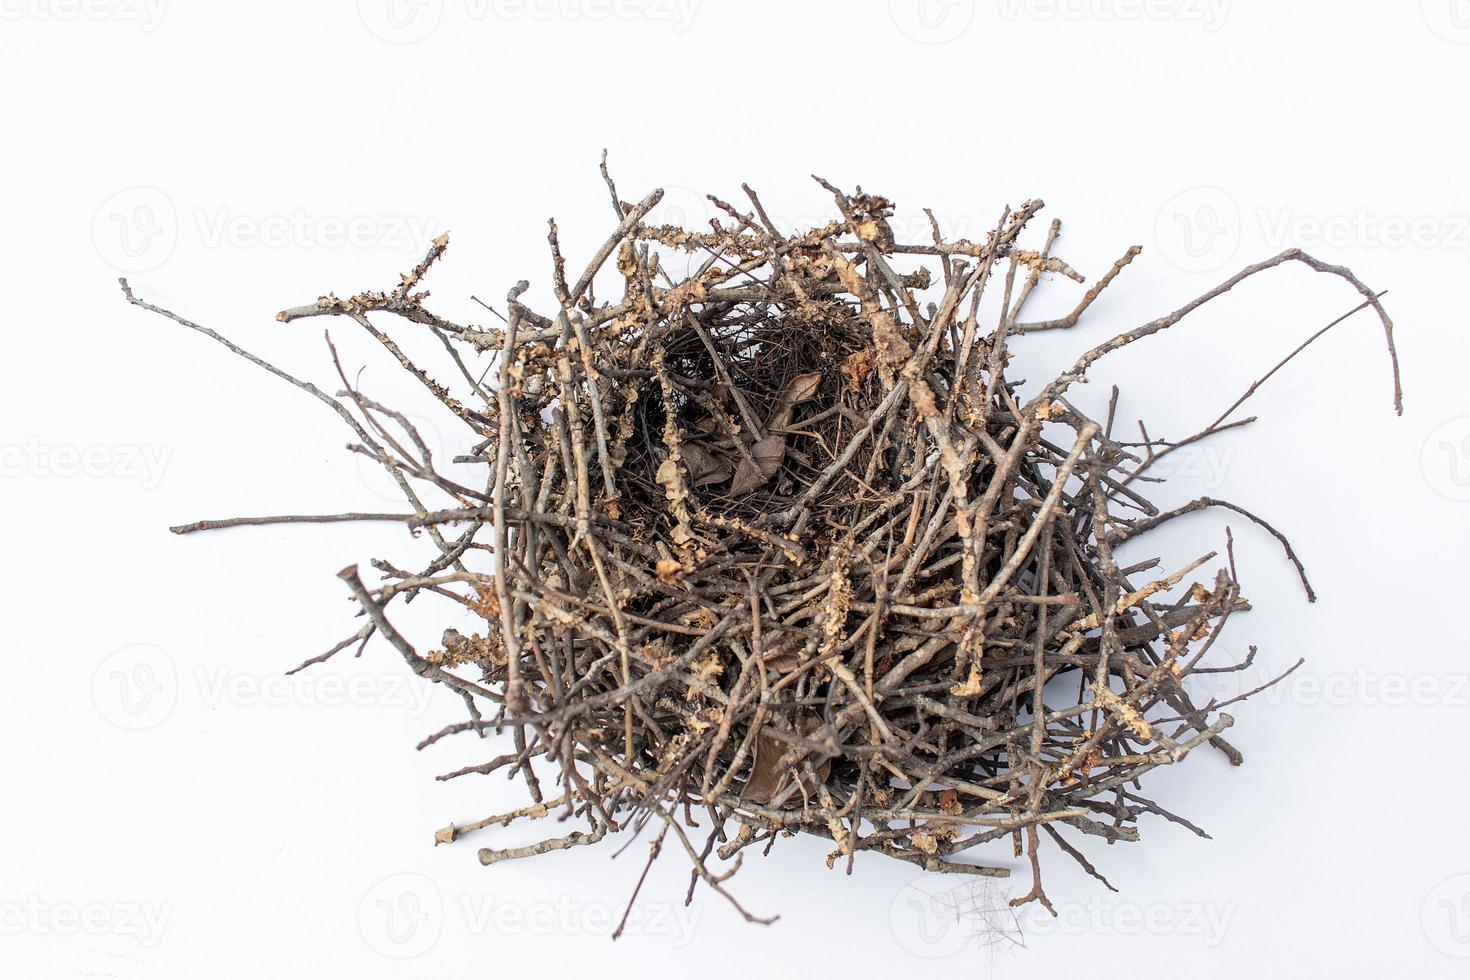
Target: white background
[237, 825]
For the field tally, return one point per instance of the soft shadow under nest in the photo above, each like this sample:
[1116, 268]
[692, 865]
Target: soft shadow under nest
[780, 543]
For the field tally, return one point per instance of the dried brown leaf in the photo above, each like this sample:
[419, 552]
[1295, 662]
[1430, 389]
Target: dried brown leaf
[766, 458]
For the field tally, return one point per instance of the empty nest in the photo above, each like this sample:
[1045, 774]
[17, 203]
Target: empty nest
[779, 543]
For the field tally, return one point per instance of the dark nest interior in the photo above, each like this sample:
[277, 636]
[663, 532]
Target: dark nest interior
[775, 547]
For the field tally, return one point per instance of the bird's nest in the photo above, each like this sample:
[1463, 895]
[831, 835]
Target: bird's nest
[779, 542]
